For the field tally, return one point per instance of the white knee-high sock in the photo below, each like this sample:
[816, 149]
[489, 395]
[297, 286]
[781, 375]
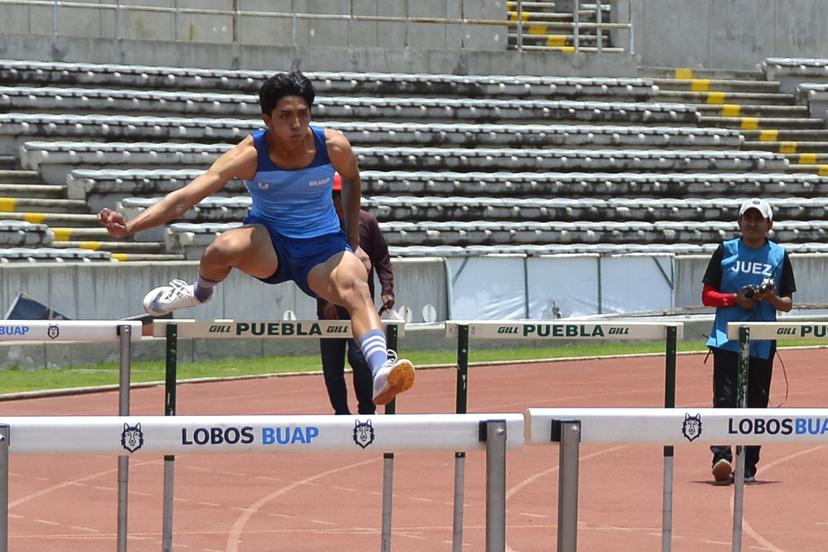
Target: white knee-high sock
[374, 348]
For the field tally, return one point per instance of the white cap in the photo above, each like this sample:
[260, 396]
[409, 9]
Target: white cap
[759, 204]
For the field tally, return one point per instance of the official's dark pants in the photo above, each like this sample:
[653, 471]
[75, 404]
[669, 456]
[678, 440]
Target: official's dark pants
[333, 367]
[725, 393]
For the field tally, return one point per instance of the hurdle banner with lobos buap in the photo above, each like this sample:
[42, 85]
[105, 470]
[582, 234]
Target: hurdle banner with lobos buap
[159, 435]
[569, 427]
[684, 426]
[156, 435]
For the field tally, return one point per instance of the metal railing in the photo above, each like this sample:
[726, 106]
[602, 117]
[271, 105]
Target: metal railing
[176, 12]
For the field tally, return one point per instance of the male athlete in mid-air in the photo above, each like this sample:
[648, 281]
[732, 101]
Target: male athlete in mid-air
[292, 231]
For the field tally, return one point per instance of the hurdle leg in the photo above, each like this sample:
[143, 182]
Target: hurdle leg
[461, 401]
[568, 434]
[738, 498]
[123, 410]
[387, 499]
[457, 522]
[495, 485]
[4, 488]
[739, 473]
[171, 373]
[391, 335]
[669, 402]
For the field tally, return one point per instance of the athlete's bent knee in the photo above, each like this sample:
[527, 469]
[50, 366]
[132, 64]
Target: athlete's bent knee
[227, 248]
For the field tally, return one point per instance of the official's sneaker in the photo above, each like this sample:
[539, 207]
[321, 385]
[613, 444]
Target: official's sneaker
[178, 294]
[393, 378]
[750, 477]
[722, 472]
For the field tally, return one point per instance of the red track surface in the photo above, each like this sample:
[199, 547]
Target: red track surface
[322, 502]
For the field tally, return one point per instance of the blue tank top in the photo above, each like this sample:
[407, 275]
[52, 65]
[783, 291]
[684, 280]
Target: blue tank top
[296, 203]
[742, 265]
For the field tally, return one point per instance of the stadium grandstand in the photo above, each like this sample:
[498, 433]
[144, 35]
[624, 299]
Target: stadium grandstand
[565, 158]
[546, 173]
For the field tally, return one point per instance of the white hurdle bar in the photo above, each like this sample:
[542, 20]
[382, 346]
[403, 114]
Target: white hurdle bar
[124, 332]
[255, 329]
[565, 330]
[163, 435]
[87, 331]
[678, 426]
[779, 330]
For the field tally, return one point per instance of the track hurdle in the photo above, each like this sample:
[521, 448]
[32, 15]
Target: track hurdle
[151, 436]
[559, 330]
[743, 332]
[676, 426]
[173, 329]
[88, 331]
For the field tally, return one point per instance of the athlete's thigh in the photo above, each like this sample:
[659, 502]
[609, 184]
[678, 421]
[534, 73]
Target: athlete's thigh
[254, 250]
[336, 276]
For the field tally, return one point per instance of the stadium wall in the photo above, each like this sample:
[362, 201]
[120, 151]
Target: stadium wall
[103, 291]
[455, 287]
[728, 34]
[270, 43]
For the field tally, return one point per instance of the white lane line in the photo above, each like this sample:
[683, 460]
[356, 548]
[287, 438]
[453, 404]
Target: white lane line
[746, 526]
[234, 537]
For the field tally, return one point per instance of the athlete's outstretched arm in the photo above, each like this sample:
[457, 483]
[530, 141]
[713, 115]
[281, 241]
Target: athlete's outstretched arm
[238, 162]
[344, 161]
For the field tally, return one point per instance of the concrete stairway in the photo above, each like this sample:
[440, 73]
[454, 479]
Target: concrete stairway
[769, 119]
[546, 28]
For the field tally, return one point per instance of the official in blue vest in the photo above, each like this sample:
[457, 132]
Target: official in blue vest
[748, 279]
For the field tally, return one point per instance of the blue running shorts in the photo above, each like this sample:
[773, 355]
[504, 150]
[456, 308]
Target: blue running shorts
[297, 256]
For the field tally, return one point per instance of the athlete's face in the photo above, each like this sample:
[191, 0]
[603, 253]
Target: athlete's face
[754, 227]
[289, 120]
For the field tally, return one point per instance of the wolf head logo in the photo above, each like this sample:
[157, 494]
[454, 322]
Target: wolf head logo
[363, 433]
[132, 437]
[691, 428]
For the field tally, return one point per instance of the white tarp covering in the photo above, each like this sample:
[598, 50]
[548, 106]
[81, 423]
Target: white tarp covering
[559, 286]
[634, 283]
[487, 287]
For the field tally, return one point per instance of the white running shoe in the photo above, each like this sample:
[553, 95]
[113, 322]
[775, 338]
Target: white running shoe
[393, 378]
[178, 294]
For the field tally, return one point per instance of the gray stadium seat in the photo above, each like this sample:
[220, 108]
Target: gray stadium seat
[114, 185]
[16, 233]
[52, 255]
[30, 72]
[55, 159]
[816, 96]
[55, 99]
[790, 72]
[191, 239]
[210, 209]
[16, 127]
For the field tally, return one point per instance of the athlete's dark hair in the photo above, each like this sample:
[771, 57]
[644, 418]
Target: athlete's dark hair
[285, 84]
